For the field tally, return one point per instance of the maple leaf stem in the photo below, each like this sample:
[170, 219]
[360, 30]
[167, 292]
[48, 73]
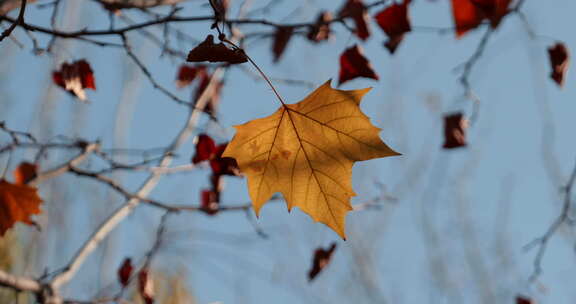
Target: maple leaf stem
[260, 72]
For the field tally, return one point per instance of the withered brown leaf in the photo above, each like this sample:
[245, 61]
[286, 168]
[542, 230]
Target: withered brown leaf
[216, 52]
[17, 204]
[353, 64]
[75, 77]
[281, 39]
[454, 131]
[320, 260]
[395, 23]
[559, 61]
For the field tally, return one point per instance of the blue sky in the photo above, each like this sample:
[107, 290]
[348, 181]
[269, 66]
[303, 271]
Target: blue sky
[456, 231]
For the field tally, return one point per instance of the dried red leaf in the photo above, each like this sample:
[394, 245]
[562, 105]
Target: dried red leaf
[209, 51]
[210, 201]
[281, 39]
[395, 23]
[205, 149]
[224, 165]
[455, 131]
[356, 10]
[210, 198]
[75, 77]
[321, 29]
[17, 204]
[467, 16]
[524, 300]
[115, 6]
[125, 271]
[25, 173]
[321, 259]
[353, 64]
[145, 286]
[493, 10]
[559, 60]
[187, 74]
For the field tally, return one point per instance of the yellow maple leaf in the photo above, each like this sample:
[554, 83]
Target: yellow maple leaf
[306, 151]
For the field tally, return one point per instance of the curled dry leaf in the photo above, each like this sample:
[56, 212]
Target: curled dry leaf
[205, 149]
[210, 201]
[493, 10]
[223, 165]
[116, 5]
[353, 64]
[125, 271]
[212, 52]
[559, 60]
[469, 14]
[306, 152]
[320, 260]
[281, 39]
[25, 173]
[146, 286]
[356, 10]
[455, 131]
[321, 29]
[524, 300]
[75, 77]
[395, 23]
[17, 204]
[187, 74]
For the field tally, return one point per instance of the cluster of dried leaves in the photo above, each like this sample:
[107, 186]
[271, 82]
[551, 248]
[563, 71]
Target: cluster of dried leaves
[145, 285]
[207, 150]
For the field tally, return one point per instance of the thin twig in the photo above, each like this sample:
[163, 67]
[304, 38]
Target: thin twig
[471, 62]
[542, 241]
[64, 167]
[118, 188]
[18, 21]
[175, 19]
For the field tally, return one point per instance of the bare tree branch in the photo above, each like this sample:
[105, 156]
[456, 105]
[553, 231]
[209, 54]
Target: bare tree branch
[19, 283]
[19, 21]
[542, 242]
[109, 224]
[66, 166]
